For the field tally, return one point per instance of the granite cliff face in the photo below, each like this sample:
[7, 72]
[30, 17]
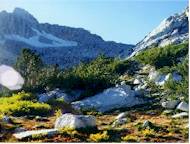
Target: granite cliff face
[56, 44]
[172, 30]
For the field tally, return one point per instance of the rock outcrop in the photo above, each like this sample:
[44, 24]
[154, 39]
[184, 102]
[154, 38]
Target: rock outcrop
[112, 98]
[172, 30]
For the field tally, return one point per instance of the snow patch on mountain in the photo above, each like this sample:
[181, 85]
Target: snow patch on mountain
[42, 39]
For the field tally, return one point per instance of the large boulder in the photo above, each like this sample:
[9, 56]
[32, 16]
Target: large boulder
[69, 120]
[112, 98]
[170, 104]
[183, 106]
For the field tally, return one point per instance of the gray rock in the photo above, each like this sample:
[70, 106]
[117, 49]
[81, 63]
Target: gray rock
[75, 121]
[123, 83]
[180, 115]
[137, 81]
[19, 129]
[59, 94]
[121, 115]
[170, 104]
[109, 99]
[120, 121]
[27, 134]
[146, 124]
[6, 119]
[183, 106]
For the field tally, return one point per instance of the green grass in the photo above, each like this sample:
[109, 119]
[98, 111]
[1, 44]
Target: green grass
[22, 104]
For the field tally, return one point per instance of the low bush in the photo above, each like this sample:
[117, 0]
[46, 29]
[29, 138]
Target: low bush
[163, 56]
[22, 104]
[99, 137]
[148, 132]
[130, 138]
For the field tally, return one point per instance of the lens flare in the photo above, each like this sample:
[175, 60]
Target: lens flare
[10, 78]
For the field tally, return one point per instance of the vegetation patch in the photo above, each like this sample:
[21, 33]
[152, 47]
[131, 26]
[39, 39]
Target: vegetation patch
[99, 137]
[23, 104]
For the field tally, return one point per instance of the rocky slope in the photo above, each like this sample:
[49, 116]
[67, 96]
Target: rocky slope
[172, 30]
[56, 44]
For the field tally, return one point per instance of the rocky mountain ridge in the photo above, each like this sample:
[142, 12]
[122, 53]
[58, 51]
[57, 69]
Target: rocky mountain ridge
[172, 30]
[56, 44]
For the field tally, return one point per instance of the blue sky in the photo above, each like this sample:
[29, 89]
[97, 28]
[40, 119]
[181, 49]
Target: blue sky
[126, 21]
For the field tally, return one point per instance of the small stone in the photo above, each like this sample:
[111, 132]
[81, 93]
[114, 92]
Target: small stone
[19, 129]
[121, 115]
[146, 124]
[120, 121]
[137, 81]
[6, 119]
[123, 83]
[183, 106]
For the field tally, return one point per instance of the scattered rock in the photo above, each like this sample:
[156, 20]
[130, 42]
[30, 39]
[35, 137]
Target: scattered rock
[137, 81]
[170, 104]
[161, 79]
[27, 134]
[146, 124]
[120, 121]
[57, 94]
[39, 118]
[183, 106]
[153, 74]
[6, 119]
[19, 129]
[123, 83]
[109, 99]
[75, 121]
[121, 115]
[180, 115]
[151, 113]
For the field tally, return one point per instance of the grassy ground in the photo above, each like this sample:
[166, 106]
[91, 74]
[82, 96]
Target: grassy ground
[167, 129]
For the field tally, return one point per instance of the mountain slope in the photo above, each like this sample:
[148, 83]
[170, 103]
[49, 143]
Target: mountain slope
[172, 30]
[56, 44]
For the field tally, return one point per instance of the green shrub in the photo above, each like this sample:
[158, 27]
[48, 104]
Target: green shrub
[130, 138]
[95, 76]
[163, 56]
[22, 104]
[99, 137]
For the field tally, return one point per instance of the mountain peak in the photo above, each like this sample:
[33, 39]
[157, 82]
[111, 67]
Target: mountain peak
[24, 14]
[172, 30]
